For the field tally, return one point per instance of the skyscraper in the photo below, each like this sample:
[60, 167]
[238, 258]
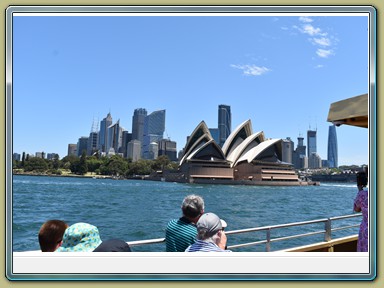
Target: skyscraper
[82, 145]
[287, 150]
[103, 134]
[138, 124]
[224, 123]
[299, 158]
[311, 142]
[154, 127]
[332, 147]
[115, 138]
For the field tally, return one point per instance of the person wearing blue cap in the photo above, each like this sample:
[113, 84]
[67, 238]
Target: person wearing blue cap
[210, 235]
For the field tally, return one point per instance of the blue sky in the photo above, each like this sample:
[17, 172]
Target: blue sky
[282, 72]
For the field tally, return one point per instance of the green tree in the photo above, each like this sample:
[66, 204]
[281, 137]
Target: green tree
[117, 167]
[83, 167]
[161, 162]
[140, 167]
[93, 163]
[36, 164]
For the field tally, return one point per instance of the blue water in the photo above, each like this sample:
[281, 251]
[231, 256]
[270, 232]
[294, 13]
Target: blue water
[137, 210]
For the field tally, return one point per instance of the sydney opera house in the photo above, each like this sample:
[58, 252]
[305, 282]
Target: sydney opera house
[245, 158]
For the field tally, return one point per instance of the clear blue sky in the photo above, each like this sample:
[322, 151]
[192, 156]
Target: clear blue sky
[282, 72]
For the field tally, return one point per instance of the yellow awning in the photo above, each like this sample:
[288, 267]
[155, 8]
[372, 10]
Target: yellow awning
[352, 111]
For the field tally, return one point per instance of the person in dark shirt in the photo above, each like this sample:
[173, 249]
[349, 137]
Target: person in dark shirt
[113, 245]
[180, 233]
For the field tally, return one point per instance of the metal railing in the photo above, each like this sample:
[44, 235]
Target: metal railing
[327, 230]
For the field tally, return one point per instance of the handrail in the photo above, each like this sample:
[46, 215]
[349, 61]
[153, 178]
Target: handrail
[268, 229]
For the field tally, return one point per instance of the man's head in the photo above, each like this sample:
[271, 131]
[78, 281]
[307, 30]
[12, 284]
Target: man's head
[208, 226]
[51, 235]
[193, 206]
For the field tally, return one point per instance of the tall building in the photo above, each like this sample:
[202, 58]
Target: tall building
[224, 123]
[82, 145]
[115, 138]
[134, 150]
[154, 127]
[127, 137]
[103, 133]
[287, 150]
[332, 147]
[93, 141]
[299, 159]
[314, 161]
[138, 124]
[168, 147]
[311, 142]
[72, 150]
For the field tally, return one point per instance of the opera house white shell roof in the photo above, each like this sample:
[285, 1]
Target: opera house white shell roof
[241, 145]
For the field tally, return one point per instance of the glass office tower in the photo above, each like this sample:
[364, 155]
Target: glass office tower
[332, 147]
[224, 123]
[311, 141]
[154, 127]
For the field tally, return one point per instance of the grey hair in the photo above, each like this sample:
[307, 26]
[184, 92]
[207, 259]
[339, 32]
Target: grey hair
[193, 206]
[203, 234]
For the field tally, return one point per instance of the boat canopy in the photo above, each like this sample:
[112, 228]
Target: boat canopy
[352, 111]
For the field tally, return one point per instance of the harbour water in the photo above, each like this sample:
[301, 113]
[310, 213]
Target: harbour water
[139, 210]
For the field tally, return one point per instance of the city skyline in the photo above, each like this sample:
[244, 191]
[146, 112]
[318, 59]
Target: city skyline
[187, 66]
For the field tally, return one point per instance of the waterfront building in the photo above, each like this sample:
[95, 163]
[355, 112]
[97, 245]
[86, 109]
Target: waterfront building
[299, 157]
[93, 141]
[332, 147]
[127, 137]
[115, 137]
[154, 127]
[314, 161]
[82, 145]
[138, 124]
[168, 148]
[153, 151]
[245, 158]
[287, 150]
[103, 133]
[134, 150]
[224, 123]
[311, 142]
[72, 150]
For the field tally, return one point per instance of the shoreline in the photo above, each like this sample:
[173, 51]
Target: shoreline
[66, 175]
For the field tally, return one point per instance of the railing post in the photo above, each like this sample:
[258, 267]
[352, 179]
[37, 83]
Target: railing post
[268, 244]
[328, 230]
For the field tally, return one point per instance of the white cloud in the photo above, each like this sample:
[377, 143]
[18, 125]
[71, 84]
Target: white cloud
[309, 29]
[319, 66]
[305, 19]
[321, 41]
[251, 70]
[323, 53]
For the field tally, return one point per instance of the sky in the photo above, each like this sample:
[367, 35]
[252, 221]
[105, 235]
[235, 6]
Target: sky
[280, 71]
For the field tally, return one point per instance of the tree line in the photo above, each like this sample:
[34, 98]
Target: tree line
[115, 165]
